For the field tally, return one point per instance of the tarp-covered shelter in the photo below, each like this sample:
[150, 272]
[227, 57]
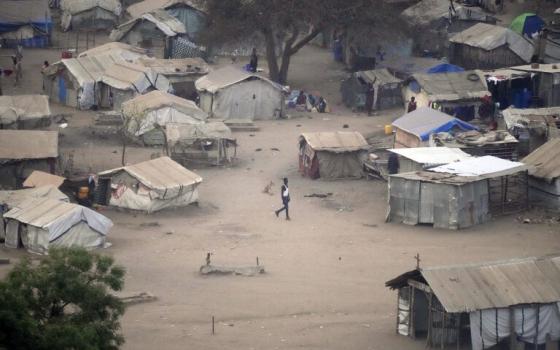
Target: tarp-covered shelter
[445, 68]
[527, 24]
[510, 87]
[25, 22]
[209, 143]
[433, 21]
[332, 155]
[231, 93]
[123, 81]
[422, 158]
[188, 12]
[154, 31]
[459, 94]
[10, 199]
[498, 143]
[89, 14]
[544, 180]
[414, 129]
[22, 151]
[41, 178]
[486, 46]
[533, 126]
[146, 116]
[181, 73]
[510, 304]
[547, 83]
[41, 223]
[149, 186]
[117, 50]
[460, 194]
[24, 112]
[387, 89]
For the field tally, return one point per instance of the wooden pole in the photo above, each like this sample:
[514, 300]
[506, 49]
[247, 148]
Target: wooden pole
[459, 332]
[512, 341]
[213, 329]
[412, 299]
[257, 261]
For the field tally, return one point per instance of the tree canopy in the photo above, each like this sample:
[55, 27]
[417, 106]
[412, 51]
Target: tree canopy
[285, 25]
[62, 302]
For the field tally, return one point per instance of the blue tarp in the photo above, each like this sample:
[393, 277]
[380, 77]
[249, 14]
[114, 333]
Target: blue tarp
[445, 68]
[533, 24]
[452, 124]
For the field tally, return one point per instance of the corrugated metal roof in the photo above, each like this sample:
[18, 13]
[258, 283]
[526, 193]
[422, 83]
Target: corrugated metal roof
[138, 9]
[160, 174]
[167, 24]
[126, 51]
[138, 106]
[379, 76]
[453, 86]
[28, 144]
[130, 76]
[467, 288]
[545, 161]
[486, 166]
[340, 141]
[544, 118]
[226, 76]
[489, 37]
[432, 155]
[540, 68]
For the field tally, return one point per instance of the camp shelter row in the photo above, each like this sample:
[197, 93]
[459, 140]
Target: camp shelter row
[511, 304]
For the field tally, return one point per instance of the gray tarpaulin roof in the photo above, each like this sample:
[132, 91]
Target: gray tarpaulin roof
[422, 121]
[176, 67]
[545, 161]
[467, 288]
[130, 76]
[427, 11]
[24, 11]
[489, 37]
[184, 133]
[432, 155]
[28, 144]
[21, 107]
[341, 141]
[154, 100]
[453, 86]
[13, 198]
[117, 49]
[77, 6]
[379, 76]
[138, 9]
[531, 117]
[161, 174]
[57, 217]
[167, 24]
[226, 76]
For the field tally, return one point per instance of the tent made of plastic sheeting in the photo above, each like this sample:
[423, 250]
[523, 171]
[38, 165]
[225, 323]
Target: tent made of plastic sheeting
[414, 129]
[41, 223]
[482, 167]
[145, 115]
[527, 24]
[231, 93]
[29, 22]
[117, 50]
[123, 81]
[426, 12]
[332, 155]
[24, 112]
[387, 89]
[150, 186]
[421, 158]
[92, 14]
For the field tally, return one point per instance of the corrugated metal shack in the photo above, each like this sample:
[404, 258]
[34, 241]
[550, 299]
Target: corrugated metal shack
[486, 46]
[544, 180]
[421, 158]
[504, 304]
[458, 195]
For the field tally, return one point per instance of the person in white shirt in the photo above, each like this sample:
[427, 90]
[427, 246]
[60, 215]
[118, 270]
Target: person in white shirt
[285, 194]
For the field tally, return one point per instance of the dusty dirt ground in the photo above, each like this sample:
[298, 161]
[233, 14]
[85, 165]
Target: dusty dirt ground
[325, 269]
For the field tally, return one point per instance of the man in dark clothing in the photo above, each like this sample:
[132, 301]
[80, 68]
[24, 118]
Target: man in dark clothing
[254, 62]
[370, 96]
[285, 194]
[393, 164]
[411, 105]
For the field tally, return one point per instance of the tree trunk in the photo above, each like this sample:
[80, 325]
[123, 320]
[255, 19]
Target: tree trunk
[271, 55]
[284, 68]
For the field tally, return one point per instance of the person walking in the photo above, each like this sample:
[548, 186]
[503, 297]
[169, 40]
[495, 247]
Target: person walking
[411, 105]
[17, 70]
[285, 194]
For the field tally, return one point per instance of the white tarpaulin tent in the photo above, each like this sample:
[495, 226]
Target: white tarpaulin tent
[24, 111]
[231, 93]
[151, 185]
[144, 113]
[96, 13]
[41, 223]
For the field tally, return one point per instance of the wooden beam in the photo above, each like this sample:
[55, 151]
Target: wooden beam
[419, 285]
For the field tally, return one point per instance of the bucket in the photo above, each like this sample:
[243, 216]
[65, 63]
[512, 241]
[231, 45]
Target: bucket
[388, 129]
[83, 193]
